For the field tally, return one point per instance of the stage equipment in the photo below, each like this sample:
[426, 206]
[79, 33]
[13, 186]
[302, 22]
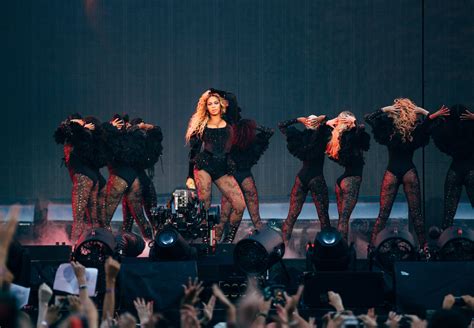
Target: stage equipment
[94, 247]
[169, 245]
[330, 251]
[357, 289]
[187, 215]
[393, 244]
[259, 251]
[129, 244]
[456, 244]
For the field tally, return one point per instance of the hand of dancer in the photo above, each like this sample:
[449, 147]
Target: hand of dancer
[118, 123]
[78, 121]
[90, 126]
[332, 123]
[443, 111]
[190, 183]
[421, 111]
[467, 116]
[390, 109]
[206, 93]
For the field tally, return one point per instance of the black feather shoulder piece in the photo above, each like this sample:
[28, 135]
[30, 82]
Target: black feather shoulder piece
[308, 144]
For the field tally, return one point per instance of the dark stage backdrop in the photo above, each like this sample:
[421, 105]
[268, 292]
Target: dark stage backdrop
[282, 59]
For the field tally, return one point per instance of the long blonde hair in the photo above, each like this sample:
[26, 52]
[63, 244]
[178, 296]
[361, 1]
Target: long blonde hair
[334, 145]
[405, 119]
[198, 121]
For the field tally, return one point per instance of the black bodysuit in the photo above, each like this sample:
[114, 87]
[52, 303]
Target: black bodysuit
[352, 142]
[308, 146]
[211, 152]
[400, 153]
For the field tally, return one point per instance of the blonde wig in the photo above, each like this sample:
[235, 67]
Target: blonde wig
[405, 119]
[334, 145]
[198, 121]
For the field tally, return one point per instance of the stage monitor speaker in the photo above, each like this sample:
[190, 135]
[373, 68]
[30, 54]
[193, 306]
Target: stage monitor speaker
[357, 289]
[158, 281]
[424, 284]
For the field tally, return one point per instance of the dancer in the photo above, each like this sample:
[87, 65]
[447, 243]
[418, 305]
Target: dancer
[76, 136]
[455, 137]
[309, 147]
[99, 161]
[346, 146]
[208, 130]
[403, 128]
[126, 149]
[250, 142]
[145, 170]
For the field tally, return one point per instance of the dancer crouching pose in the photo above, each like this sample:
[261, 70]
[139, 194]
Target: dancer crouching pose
[126, 148]
[346, 146]
[77, 138]
[400, 129]
[455, 137]
[208, 130]
[308, 146]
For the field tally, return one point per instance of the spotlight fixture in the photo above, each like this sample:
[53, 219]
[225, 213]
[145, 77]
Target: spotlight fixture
[259, 251]
[330, 252]
[169, 245]
[129, 244]
[456, 244]
[94, 246]
[393, 244]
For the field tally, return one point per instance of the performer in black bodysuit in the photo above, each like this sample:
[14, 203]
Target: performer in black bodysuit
[145, 170]
[346, 146]
[210, 138]
[399, 128]
[250, 142]
[79, 157]
[99, 161]
[308, 146]
[454, 136]
[126, 149]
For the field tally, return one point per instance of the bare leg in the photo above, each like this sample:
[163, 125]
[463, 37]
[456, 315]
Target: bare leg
[251, 200]
[116, 187]
[297, 198]
[319, 192]
[350, 193]
[388, 193]
[231, 190]
[81, 189]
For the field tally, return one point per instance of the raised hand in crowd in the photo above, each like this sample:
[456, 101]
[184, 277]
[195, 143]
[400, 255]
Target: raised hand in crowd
[88, 307]
[7, 231]
[370, 319]
[144, 310]
[192, 291]
[336, 301]
[111, 268]
[44, 296]
[231, 309]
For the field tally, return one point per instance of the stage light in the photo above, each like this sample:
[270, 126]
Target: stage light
[129, 244]
[259, 251]
[330, 251]
[94, 247]
[393, 244]
[456, 244]
[169, 245]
